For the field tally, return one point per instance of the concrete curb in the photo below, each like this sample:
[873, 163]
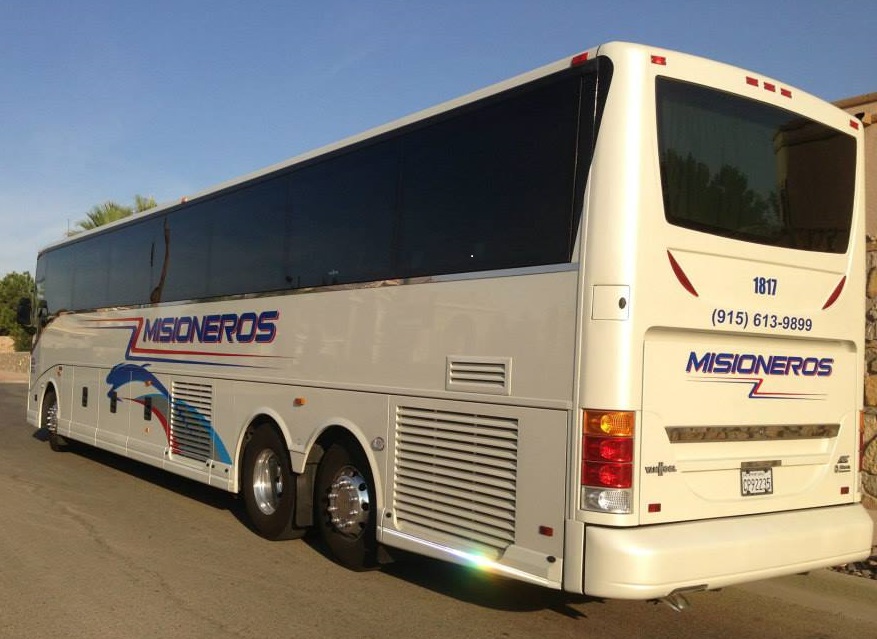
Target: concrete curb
[8, 377]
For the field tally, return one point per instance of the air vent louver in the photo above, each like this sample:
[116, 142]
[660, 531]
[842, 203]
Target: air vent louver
[191, 420]
[456, 475]
[491, 375]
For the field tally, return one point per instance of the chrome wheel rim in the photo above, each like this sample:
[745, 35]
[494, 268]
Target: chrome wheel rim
[267, 481]
[349, 503]
[52, 417]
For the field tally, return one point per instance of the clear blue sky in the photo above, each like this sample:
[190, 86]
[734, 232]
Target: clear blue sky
[102, 100]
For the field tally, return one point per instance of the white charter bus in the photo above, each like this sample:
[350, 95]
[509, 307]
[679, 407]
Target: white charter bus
[598, 328]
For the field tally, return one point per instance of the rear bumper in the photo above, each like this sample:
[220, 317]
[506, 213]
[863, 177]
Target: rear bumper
[653, 561]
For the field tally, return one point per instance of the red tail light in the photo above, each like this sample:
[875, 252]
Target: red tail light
[607, 475]
[613, 449]
[607, 449]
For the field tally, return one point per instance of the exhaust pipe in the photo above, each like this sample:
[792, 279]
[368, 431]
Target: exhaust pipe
[677, 600]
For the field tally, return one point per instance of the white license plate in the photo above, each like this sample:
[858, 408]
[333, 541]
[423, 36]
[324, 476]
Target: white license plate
[756, 481]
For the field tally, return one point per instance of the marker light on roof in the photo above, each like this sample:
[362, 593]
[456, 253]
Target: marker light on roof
[579, 59]
[768, 86]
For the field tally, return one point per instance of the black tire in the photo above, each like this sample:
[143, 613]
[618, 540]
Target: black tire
[268, 485]
[49, 421]
[345, 506]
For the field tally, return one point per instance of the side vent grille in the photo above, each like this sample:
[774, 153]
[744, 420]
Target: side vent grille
[191, 420]
[456, 475]
[490, 375]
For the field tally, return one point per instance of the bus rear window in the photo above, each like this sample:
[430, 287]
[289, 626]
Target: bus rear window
[746, 170]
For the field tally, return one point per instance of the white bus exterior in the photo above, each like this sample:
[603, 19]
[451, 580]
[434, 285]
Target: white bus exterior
[598, 328]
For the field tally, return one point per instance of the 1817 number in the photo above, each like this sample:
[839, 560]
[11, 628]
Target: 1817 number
[764, 285]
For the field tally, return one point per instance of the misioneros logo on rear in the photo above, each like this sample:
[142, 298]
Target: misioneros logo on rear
[753, 369]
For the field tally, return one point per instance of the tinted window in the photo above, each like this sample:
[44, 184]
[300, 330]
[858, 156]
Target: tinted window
[54, 281]
[743, 169]
[90, 272]
[247, 233]
[133, 252]
[342, 214]
[189, 230]
[492, 187]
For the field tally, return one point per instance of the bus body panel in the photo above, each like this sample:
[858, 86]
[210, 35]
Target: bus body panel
[478, 482]
[723, 411]
[653, 561]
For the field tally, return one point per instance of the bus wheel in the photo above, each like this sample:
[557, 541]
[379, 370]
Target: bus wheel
[50, 422]
[345, 506]
[269, 485]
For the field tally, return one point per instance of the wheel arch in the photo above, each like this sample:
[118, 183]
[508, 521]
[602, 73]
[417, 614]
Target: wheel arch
[262, 418]
[340, 431]
[51, 387]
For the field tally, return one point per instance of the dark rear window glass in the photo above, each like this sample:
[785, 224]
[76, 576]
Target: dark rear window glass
[746, 170]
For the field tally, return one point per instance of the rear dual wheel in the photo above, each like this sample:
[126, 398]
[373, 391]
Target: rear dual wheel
[346, 507]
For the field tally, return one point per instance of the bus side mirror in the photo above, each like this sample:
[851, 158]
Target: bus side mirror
[25, 310]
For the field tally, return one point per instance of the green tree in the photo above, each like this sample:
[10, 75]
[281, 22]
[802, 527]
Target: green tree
[110, 211]
[13, 287]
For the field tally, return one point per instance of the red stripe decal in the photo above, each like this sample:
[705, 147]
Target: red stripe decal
[837, 291]
[681, 276]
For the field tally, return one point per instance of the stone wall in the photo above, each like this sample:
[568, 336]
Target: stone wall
[15, 362]
[10, 360]
[869, 476]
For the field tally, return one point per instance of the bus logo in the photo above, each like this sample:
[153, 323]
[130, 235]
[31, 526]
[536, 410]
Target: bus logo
[753, 370]
[183, 339]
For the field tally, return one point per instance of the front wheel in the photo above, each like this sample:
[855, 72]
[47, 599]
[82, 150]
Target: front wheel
[49, 421]
[269, 485]
[346, 507]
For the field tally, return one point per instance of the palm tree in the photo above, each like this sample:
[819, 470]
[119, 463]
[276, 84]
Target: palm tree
[143, 203]
[111, 211]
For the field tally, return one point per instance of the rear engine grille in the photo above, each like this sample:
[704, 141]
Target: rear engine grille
[456, 474]
[191, 420]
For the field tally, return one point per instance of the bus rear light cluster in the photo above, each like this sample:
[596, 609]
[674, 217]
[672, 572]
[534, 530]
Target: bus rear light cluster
[607, 461]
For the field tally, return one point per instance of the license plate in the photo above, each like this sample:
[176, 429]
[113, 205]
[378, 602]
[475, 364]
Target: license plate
[756, 481]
